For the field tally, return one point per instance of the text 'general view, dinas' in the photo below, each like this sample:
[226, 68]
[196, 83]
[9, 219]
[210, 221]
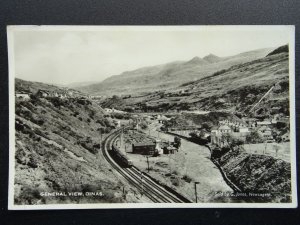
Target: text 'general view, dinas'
[208, 130]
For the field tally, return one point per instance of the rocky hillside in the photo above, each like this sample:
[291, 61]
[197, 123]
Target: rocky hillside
[234, 89]
[258, 174]
[58, 150]
[169, 75]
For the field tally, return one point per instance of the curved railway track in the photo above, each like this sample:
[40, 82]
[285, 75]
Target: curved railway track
[147, 186]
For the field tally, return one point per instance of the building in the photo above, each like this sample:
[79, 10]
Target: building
[169, 150]
[224, 129]
[263, 123]
[143, 148]
[219, 135]
[23, 96]
[266, 132]
[43, 93]
[163, 118]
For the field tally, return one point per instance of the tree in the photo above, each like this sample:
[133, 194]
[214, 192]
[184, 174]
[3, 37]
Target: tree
[253, 137]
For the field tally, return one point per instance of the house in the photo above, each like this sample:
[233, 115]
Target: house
[109, 110]
[217, 135]
[266, 133]
[43, 93]
[224, 129]
[143, 148]
[263, 123]
[163, 118]
[23, 96]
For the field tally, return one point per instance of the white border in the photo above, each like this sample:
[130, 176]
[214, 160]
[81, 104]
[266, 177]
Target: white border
[285, 28]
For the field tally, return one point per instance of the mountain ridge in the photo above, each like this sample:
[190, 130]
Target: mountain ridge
[168, 75]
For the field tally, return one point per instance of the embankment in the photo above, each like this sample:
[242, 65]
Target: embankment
[264, 178]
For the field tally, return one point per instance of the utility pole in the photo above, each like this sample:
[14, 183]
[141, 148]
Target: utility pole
[148, 163]
[170, 162]
[196, 191]
[100, 139]
[142, 184]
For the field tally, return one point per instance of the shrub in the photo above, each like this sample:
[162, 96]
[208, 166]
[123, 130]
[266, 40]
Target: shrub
[187, 178]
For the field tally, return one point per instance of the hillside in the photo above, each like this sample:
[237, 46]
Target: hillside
[168, 75]
[234, 89]
[262, 173]
[33, 87]
[58, 149]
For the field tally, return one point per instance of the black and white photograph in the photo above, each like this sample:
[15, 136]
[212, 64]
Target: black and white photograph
[151, 117]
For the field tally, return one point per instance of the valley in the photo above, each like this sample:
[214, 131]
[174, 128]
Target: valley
[192, 120]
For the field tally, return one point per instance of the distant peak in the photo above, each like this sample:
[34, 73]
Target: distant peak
[211, 58]
[196, 60]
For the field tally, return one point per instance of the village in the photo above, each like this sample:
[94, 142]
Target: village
[246, 131]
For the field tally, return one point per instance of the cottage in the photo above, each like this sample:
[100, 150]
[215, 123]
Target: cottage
[23, 96]
[224, 129]
[143, 148]
[43, 93]
[263, 123]
[163, 118]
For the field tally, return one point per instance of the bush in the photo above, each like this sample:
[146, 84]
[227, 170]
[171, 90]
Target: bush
[187, 178]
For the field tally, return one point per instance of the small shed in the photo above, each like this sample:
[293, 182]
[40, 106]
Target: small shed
[169, 150]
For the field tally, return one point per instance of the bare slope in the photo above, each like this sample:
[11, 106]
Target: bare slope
[169, 75]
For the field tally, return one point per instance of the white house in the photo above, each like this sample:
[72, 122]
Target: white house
[22, 96]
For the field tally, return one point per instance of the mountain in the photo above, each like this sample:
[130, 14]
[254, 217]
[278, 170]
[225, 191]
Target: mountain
[169, 75]
[196, 61]
[211, 58]
[234, 89]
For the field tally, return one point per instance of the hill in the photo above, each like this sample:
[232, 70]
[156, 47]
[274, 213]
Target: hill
[281, 49]
[57, 149]
[168, 75]
[234, 89]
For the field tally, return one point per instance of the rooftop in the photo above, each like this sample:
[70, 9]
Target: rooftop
[224, 127]
[143, 144]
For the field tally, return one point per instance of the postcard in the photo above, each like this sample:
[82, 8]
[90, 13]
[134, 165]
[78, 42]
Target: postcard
[151, 117]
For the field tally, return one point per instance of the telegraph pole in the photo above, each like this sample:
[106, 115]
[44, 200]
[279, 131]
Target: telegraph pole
[142, 184]
[196, 191]
[148, 163]
[100, 139]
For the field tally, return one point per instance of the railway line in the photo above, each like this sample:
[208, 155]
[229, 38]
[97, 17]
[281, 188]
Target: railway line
[144, 183]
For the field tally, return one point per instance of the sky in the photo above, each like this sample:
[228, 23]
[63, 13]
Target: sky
[65, 55]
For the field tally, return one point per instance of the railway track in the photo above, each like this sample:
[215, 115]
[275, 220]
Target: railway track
[147, 186]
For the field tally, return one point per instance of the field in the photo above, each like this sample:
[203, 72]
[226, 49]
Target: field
[283, 151]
